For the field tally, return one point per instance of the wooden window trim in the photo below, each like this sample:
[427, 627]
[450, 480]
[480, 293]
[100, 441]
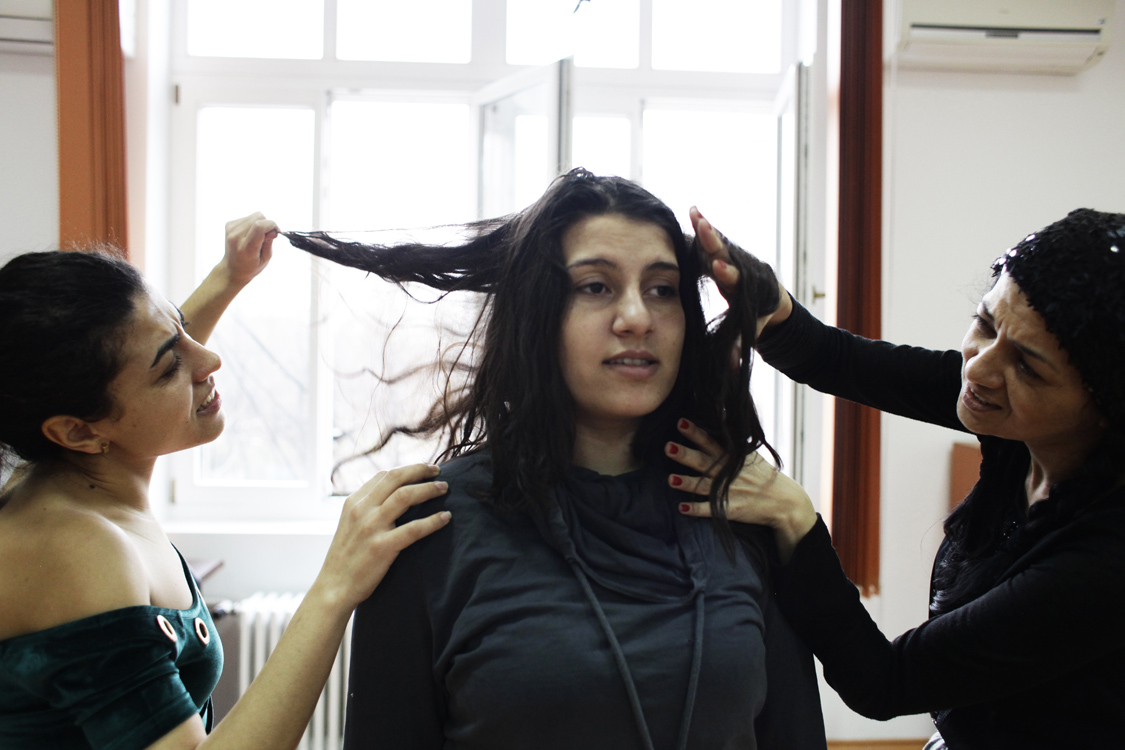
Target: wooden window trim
[89, 70]
[855, 481]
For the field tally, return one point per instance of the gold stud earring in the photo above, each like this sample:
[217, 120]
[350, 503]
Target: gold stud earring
[105, 448]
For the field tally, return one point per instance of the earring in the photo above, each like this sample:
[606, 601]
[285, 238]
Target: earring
[105, 448]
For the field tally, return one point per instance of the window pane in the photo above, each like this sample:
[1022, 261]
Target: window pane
[399, 164]
[417, 31]
[602, 144]
[517, 158]
[256, 28]
[259, 159]
[722, 36]
[598, 34]
[393, 166]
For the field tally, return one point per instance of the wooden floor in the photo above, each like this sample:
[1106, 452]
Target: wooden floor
[877, 744]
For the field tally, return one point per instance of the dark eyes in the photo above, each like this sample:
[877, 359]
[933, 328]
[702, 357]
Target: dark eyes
[662, 291]
[593, 287]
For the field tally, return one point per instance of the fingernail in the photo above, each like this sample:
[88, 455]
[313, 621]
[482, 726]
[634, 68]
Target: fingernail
[673, 449]
[676, 481]
[443, 486]
[684, 424]
[445, 515]
[720, 266]
[685, 508]
[435, 469]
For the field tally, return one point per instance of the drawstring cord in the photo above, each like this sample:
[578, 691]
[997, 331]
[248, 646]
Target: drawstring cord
[627, 676]
[696, 668]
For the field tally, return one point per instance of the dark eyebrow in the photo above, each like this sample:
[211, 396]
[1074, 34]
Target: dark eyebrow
[987, 315]
[660, 265]
[166, 347]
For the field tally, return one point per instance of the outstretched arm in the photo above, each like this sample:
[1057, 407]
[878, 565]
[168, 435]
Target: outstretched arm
[249, 248]
[909, 381]
[275, 710]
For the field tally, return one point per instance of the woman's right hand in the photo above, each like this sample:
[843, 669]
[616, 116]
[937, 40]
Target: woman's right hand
[725, 273]
[367, 540]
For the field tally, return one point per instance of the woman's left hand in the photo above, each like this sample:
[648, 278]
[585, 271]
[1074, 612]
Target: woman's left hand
[249, 247]
[759, 493]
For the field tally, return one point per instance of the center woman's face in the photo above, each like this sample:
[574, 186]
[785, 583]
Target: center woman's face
[623, 331]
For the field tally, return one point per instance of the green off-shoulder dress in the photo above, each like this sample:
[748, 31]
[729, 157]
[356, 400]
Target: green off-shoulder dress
[119, 680]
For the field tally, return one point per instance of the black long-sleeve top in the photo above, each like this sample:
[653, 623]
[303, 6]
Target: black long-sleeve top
[514, 629]
[1035, 662]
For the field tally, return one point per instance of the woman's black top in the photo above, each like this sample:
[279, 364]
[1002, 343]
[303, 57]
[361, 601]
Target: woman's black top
[611, 621]
[1038, 661]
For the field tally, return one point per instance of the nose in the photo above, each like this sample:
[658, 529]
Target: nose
[633, 316]
[983, 366]
[206, 362]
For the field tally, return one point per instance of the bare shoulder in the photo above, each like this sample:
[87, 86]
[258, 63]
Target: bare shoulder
[61, 562]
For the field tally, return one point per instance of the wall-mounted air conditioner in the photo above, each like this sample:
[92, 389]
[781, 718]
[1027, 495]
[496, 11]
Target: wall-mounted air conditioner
[27, 26]
[1023, 36]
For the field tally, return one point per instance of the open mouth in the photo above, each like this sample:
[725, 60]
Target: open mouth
[210, 400]
[975, 402]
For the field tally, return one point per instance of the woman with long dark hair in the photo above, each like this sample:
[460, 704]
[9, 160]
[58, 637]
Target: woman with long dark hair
[569, 604]
[1023, 647]
[105, 641]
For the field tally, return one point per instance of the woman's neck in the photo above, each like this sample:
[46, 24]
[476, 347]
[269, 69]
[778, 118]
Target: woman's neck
[1053, 464]
[605, 448]
[102, 478]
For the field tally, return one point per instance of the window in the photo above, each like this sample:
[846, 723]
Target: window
[365, 116]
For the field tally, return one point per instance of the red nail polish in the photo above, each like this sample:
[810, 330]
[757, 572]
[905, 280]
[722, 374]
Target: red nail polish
[684, 507]
[676, 481]
[684, 424]
[673, 449]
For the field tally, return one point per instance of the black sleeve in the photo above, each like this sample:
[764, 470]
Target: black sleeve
[791, 717]
[1061, 611]
[392, 699]
[909, 381]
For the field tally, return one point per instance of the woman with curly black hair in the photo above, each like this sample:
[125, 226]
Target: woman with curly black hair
[1023, 647]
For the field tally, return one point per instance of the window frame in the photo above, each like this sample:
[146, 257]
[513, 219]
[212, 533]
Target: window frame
[312, 84]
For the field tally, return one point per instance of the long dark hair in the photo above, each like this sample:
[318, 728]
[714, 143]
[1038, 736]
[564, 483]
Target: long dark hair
[62, 321]
[516, 402]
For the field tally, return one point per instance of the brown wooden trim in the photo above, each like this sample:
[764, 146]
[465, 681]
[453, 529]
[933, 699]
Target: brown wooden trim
[917, 744]
[964, 470]
[91, 121]
[855, 481]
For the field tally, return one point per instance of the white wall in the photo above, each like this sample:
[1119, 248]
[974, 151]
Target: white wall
[29, 163]
[973, 163]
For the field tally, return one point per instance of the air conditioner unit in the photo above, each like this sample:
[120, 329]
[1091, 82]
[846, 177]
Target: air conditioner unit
[27, 27]
[1021, 36]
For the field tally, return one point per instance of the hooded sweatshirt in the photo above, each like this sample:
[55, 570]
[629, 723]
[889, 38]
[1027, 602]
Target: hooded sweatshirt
[609, 621]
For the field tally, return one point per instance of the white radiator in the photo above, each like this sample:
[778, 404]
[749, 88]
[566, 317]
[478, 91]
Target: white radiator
[262, 619]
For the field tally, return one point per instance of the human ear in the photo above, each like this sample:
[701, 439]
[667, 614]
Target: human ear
[73, 434]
